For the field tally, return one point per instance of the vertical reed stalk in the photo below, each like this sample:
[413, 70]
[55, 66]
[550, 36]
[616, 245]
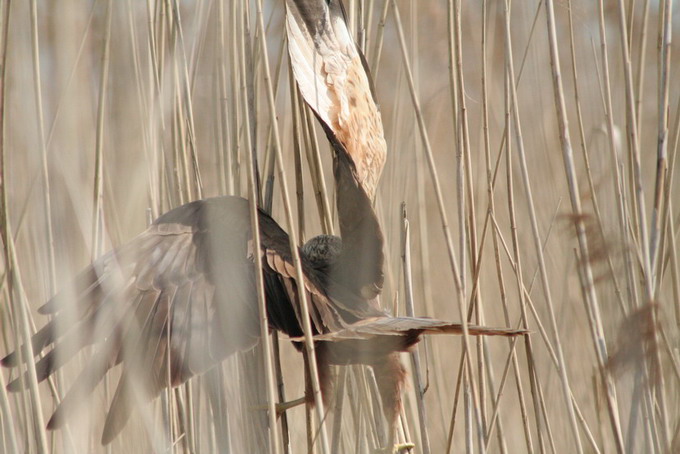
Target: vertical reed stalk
[304, 307]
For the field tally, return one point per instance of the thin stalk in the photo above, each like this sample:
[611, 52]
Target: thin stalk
[297, 155]
[97, 225]
[562, 369]
[262, 307]
[186, 98]
[35, 54]
[377, 49]
[316, 170]
[588, 284]
[442, 212]
[338, 411]
[662, 141]
[616, 158]
[7, 423]
[647, 243]
[499, 270]
[641, 61]
[304, 307]
[415, 358]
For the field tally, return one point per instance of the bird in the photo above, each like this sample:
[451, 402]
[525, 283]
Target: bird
[180, 297]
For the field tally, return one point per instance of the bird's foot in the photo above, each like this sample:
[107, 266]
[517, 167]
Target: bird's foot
[282, 407]
[399, 448]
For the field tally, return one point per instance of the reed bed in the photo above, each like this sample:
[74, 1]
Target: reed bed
[532, 145]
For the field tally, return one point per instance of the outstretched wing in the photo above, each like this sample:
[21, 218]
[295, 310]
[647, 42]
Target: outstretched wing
[361, 262]
[169, 304]
[376, 327]
[334, 80]
[172, 303]
[372, 340]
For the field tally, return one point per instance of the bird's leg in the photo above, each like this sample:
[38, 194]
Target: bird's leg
[323, 367]
[390, 375]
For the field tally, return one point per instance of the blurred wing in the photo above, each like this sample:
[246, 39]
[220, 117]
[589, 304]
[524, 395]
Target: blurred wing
[377, 327]
[334, 80]
[171, 303]
[174, 302]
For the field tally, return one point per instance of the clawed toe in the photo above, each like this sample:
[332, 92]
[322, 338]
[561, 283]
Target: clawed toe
[399, 448]
[284, 406]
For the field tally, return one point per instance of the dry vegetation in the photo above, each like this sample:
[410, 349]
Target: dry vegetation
[533, 142]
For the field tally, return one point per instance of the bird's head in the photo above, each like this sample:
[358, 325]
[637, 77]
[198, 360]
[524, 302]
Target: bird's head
[323, 250]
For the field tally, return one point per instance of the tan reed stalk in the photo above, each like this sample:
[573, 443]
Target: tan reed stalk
[9, 436]
[415, 358]
[309, 344]
[657, 229]
[380, 35]
[14, 282]
[47, 207]
[587, 281]
[641, 59]
[586, 158]
[433, 171]
[646, 248]
[562, 369]
[491, 177]
[97, 224]
[262, 306]
[316, 170]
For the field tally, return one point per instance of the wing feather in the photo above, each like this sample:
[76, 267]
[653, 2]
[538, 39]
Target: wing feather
[400, 326]
[334, 81]
[175, 301]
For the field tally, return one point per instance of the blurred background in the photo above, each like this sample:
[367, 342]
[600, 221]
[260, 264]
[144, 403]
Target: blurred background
[116, 111]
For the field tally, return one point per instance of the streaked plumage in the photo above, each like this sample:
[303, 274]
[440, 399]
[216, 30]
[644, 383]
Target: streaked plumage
[333, 79]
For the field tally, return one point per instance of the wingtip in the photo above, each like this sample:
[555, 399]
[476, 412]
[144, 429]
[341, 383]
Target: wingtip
[9, 360]
[115, 421]
[15, 385]
[56, 421]
[107, 437]
[50, 307]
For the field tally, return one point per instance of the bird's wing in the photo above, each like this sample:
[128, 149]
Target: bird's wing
[361, 262]
[326, 314]
[375, 327]
[169, 304]
[172, 303]
[334, 80]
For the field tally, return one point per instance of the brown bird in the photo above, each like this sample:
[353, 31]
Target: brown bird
[179, 298]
